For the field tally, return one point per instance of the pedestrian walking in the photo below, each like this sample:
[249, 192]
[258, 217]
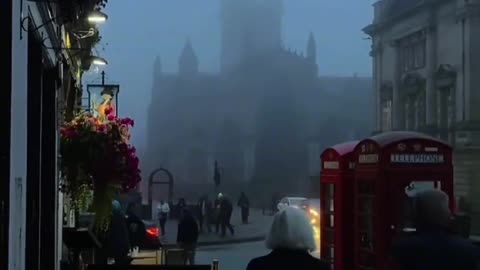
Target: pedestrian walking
[291, 240]
[204, 210]
[216, 212]
[432, 246]
[163, 211]
[225, 216]
[244, 205]
[136, 229]
[181, 205]
[118, 242]
[187, 236]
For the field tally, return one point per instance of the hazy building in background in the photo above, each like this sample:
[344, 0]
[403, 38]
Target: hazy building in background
[426, 78]
[265, 117]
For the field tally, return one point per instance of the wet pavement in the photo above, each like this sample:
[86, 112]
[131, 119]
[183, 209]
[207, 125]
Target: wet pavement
[233, 257]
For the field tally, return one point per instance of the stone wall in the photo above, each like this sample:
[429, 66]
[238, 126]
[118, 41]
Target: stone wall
[467, 183]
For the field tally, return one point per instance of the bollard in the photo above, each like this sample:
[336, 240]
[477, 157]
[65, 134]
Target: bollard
[215, 265]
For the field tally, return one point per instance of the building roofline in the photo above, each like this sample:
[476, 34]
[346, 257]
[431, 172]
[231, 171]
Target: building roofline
[374, 28]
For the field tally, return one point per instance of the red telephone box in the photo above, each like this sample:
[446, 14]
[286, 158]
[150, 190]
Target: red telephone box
[390, 168]
[336, 180]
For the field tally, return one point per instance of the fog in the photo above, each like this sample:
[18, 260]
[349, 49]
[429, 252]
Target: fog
[138, 32]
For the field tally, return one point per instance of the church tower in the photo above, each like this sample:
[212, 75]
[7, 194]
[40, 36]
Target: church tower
[312, 52]
[157, 68]
[311, 48]
[188, 62]
[248, 27]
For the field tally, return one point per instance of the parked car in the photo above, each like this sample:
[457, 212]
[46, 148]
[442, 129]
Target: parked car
[152, 233]
[143, 233]
[314, 210]
[297, 202]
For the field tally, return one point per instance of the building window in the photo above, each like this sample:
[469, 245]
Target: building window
[450, 109]
[420, 111]
[413, 52]
[409, 114]
[446, 111]
[387, 115]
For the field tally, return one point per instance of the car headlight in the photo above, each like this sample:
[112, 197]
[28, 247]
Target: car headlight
[314, 213]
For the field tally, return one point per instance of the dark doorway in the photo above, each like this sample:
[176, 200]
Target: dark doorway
[34, 152]
[5, 114]
[48, 189]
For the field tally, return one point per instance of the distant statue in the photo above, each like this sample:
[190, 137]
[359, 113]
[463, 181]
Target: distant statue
[216, 175]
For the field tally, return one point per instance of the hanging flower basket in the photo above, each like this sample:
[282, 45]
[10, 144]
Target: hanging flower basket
[98, 162]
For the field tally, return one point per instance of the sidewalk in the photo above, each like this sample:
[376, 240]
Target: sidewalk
[254, 231]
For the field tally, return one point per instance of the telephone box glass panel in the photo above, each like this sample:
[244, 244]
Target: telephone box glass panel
[408, 203]
[367, 260]
[365, 215]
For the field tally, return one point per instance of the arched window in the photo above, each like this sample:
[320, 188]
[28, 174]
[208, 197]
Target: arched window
[414, 94]
[446, 109]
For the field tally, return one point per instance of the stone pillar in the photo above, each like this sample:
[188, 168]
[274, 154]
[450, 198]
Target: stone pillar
[472, 66]
[377, 83]
[397, 104]
[431, 65]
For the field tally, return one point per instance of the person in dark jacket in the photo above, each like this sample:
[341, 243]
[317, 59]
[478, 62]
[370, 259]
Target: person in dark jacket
[244, 205]
[136, 228]
[204, 210]
[432, 246]
[118, 242]
[180, 207]
[216, 213]
[187, 236]
[226, 209]
[291, 238]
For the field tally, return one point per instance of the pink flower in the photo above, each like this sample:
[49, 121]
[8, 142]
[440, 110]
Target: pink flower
[108, 111]
[101, 128]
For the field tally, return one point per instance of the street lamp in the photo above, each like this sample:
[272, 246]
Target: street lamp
[94, 17]
[101, 93]
[99, 61]
[97, 16]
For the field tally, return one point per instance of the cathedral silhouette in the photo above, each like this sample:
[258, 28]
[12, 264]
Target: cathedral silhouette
[265, 116]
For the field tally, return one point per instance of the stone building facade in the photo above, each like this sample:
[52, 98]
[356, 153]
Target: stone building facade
[426, 70]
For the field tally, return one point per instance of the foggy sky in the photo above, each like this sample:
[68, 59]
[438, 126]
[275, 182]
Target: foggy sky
[138, 31]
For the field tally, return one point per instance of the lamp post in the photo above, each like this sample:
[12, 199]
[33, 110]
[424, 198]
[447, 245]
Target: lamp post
[98, 93]
[216, 177]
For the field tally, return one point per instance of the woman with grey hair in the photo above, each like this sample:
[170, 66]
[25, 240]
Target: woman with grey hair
[432, 246]
[291, 239]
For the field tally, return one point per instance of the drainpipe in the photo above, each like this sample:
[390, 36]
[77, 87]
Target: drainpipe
[463, 70]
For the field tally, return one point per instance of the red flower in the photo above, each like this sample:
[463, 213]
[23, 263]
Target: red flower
[108, 111]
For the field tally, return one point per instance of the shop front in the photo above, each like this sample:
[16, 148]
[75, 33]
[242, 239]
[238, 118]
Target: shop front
[391, 168]
[35, 55]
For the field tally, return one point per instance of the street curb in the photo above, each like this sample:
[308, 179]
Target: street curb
[231, 241]
[223, 242]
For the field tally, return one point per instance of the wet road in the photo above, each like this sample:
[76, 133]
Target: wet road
[232, 257]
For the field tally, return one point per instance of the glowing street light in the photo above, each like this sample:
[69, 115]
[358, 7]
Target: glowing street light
[98, 61]
[97, 17]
